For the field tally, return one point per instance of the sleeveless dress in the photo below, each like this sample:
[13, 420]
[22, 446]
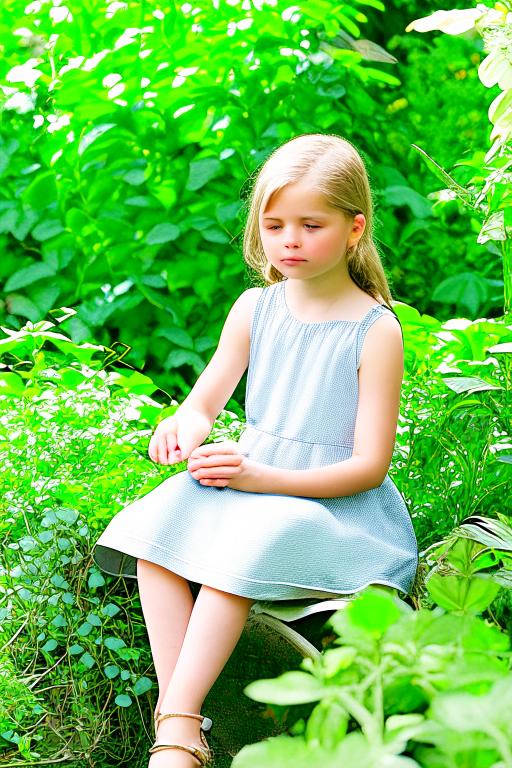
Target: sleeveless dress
[301, 406]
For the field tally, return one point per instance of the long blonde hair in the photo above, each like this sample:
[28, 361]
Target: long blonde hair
[335, 169]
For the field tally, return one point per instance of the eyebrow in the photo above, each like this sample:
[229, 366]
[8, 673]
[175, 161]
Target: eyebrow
[302, 218]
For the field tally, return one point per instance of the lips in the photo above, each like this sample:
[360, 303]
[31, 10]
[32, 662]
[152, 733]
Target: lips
[295, 260]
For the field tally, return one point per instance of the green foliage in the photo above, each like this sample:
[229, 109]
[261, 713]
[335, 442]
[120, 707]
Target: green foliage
[127, 200]
[73, 450]
[404, 688]
[453, 436]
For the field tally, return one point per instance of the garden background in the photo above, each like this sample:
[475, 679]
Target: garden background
[131, 133]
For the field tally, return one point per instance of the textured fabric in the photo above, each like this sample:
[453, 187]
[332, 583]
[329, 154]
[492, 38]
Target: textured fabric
[301, 406]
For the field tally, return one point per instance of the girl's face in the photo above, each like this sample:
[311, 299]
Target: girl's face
[303, 236]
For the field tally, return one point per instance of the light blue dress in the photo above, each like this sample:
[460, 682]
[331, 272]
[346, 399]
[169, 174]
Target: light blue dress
[301, 406]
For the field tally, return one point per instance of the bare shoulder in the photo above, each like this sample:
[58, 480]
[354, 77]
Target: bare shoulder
[244, 306]
[383, 341]
[237, 327]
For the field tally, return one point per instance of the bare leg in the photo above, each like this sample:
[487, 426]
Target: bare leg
[214, 629]
[166, 604]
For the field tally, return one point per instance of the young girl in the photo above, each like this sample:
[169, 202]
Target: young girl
[302, 506]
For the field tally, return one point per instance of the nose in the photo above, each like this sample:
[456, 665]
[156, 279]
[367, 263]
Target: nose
[291, 238]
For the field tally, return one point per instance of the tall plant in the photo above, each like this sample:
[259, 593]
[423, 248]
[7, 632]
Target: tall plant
[488, 192]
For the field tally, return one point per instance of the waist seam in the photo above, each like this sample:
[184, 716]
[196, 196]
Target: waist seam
[296, 440]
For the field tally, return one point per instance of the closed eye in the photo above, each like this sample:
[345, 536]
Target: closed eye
[310, 226]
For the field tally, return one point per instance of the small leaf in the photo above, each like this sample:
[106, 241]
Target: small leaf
[94, 620]
[110, 609]
[75, 649]
[59, 621]
[50, 645]
[87, 660]
[95, 580]
[114, 643]
[142, 685]
[162, 233]
[84, 629]
[111, 671]
[123, 700]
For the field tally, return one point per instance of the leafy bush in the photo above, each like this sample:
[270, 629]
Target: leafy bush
[403, 689]
[73, 450]
[131, 134]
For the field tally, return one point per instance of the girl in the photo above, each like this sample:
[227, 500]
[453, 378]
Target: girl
[306, 508]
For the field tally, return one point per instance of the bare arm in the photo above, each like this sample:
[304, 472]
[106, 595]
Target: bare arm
[380, 380]
[177, 436]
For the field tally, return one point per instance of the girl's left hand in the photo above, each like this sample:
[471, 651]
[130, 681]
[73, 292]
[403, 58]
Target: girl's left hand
[223, 464]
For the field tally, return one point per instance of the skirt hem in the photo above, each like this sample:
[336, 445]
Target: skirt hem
[227, 582]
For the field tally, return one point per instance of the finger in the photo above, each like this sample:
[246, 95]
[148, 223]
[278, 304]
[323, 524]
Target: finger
[162, 449]
[218, 483]
[234, 459]
[214, 472]
[173, 454]
[226, 446]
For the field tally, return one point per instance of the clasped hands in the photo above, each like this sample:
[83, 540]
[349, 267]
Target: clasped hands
[223, 464]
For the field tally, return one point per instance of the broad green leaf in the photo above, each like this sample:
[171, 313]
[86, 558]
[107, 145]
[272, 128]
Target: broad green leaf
[201, 171]
[373, 612]
[47, 229]
[92, 135]
[290, 688]
[42, 191]
[162, 233]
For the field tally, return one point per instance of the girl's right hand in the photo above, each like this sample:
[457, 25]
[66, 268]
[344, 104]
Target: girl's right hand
[163, 446]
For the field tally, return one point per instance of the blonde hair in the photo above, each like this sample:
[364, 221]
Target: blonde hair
[335, 169]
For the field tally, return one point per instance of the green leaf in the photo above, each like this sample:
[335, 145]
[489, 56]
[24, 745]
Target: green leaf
[142, 685]
[68, 516]
[50, 645]
[373, 612]
[95, 580]
[94, 620]
[59, 621]
[179, 357]
[201, 171]
[93, 134]
[215, 236]
[290, 688]
[123, 700]
[75, 649]
[135, 177]
[84, 629]
[419, 205]
[87, 660]
[110, 609]
[111, 671]
[42, 191]
[114, 643]
[162, 233]
[177, 336]
[467, 288]
[47, 229]
[462, 594]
